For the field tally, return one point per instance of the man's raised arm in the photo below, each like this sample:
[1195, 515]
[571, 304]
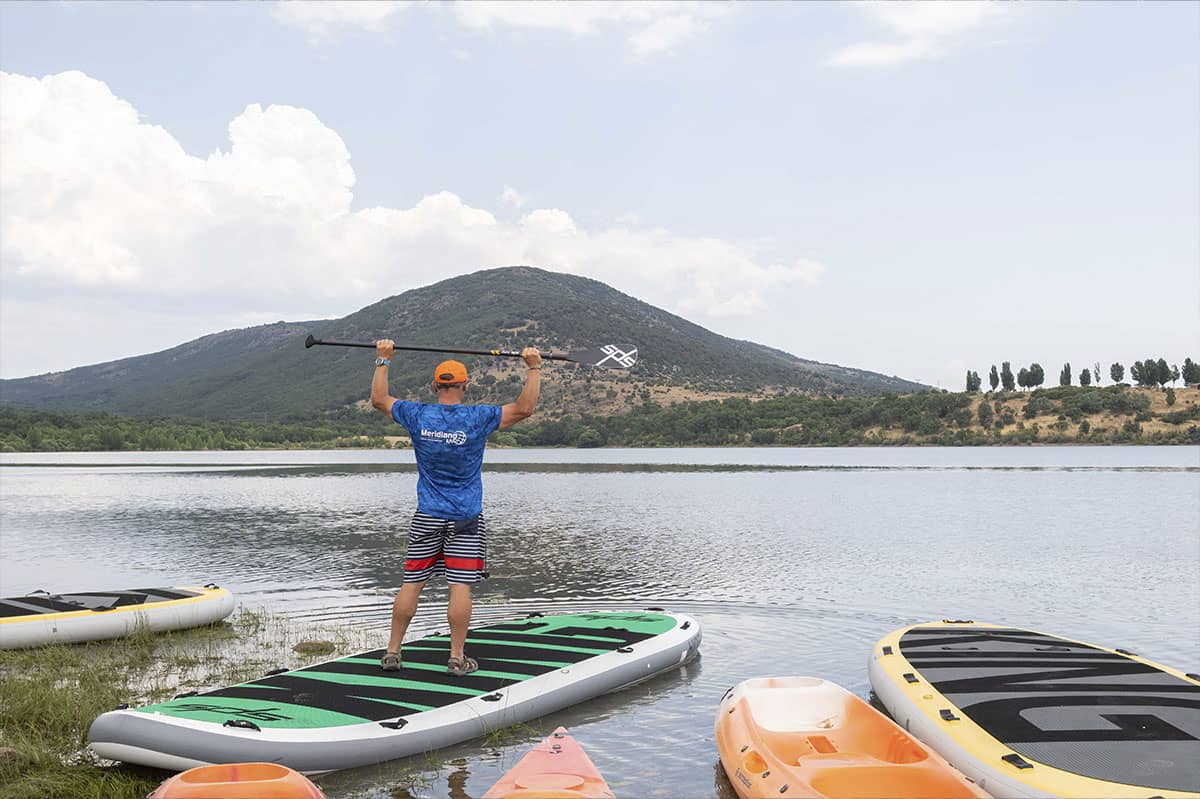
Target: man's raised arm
[514, 412]
[385, 348]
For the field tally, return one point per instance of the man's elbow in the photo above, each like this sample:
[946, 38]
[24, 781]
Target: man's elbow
[515, 415]
[381, 405]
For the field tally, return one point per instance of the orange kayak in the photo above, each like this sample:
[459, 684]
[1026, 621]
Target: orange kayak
[804, 736]
[238, 781]
[557, 768]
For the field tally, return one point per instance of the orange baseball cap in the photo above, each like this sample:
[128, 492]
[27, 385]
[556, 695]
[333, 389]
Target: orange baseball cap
[450, 372]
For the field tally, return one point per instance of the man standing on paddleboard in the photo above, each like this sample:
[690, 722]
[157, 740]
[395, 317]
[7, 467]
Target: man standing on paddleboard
[448, 533]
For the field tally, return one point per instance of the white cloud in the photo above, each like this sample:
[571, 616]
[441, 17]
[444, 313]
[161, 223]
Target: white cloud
[925, 29]
[656, 26]
[324, 19]
[652, 27]
[512, 197]
[665, 33]
[99, 209]
[882, 53]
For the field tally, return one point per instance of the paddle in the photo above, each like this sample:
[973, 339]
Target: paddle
[608, 355]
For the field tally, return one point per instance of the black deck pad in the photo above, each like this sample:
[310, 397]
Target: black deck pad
[1069, 705]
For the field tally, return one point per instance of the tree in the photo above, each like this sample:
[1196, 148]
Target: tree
[1096, 372]
[1037, 375]
[1023, 377]
[1170, 397]
[973, 382]
[1085, 377]
[1191, 372]
[1006, 376]
[1174, 374]
[994, 377]
[1116, 372]
[1145, 373]
[1064, 377]
[1162, 372]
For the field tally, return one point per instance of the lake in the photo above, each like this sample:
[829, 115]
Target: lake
[795, 561]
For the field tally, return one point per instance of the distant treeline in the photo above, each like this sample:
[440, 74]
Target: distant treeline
[42, 431]
[1109, 415]
[1147, 374]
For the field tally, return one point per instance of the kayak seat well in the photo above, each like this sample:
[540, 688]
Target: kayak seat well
[794, 708]
[803, 722]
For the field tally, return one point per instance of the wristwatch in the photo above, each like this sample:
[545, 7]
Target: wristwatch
[382, 361]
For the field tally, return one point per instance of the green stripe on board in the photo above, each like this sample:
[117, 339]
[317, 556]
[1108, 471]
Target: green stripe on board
[482, 672]
[383, 682]
[648, 622]
[556, 664]
[276, 715]
[477, 640]
[410, 705]
[491, 631]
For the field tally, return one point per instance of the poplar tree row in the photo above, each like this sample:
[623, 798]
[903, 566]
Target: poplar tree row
[1148, 373]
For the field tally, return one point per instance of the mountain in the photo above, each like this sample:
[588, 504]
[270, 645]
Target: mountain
[265, 372]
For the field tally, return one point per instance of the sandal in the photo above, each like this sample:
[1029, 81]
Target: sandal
[461, 667]
[390, 661]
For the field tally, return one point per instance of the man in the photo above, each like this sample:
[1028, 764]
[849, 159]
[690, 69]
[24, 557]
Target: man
[447, 533]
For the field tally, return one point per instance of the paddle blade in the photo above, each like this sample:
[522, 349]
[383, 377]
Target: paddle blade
[610, 356]
[308, 342]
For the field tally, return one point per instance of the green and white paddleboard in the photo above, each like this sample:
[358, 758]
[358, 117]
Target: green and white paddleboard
[348, 712]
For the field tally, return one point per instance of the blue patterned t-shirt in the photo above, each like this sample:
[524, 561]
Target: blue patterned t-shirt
[449, 442]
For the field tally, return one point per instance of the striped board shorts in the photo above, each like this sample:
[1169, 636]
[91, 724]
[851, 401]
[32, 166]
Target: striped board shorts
[456, 547]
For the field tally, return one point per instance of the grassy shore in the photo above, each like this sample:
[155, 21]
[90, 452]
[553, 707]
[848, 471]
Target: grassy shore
[50, 695]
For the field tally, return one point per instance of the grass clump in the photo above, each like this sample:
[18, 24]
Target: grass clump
[50, 695]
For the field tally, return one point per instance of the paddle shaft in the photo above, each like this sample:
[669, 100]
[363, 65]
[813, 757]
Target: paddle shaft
[311, 342]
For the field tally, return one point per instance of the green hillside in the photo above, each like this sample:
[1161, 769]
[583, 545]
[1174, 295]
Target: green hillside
[265, 373]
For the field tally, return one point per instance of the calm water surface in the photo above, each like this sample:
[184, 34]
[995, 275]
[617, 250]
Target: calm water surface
[795, 561]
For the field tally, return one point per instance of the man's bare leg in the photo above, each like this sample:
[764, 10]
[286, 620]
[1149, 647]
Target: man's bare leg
[459, 616]
[404, 607]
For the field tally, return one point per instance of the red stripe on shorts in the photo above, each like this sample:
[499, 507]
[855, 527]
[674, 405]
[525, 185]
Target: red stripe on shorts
[466, 564]
[421, 563]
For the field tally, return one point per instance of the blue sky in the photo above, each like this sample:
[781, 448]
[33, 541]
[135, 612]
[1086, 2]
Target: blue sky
[911, 188]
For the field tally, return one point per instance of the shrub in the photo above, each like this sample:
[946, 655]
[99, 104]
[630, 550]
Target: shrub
[1089, 402]
[589, 439]
[985, 414]
[1038, 404]
[764, 436]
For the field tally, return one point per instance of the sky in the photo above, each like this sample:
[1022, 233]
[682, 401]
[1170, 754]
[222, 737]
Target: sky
[912, 188]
